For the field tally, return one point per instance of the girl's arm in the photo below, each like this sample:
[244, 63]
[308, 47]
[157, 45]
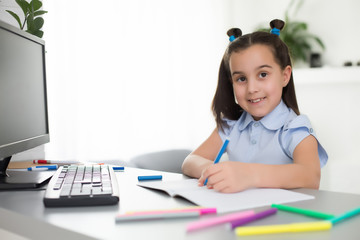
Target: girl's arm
[235, 176]
[203, 156]
[304, 172]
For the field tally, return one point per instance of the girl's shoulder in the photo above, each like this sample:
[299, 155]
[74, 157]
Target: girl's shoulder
[300, 122]
[294, 131]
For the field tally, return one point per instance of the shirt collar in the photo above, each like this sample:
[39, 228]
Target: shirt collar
[273, 121]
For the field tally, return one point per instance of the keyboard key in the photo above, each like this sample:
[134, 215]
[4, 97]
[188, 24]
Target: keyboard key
[65, 191]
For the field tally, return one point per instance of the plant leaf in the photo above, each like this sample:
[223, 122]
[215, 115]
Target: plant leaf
[41, 12]
[38, 23]
[25, 6]
[294, 27]
[16, 17]
[298, 6]
[35, 5]
[30, 23]
[318, 40]
[289, 7]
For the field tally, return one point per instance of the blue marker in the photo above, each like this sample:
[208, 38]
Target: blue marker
[119, 168]
[218, 157]
[147, 178]
[43, 168]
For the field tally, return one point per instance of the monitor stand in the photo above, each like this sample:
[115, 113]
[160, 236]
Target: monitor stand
[12, 179]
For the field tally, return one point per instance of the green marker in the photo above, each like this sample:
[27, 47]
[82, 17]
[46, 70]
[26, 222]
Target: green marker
[306, 212]
[348, 214]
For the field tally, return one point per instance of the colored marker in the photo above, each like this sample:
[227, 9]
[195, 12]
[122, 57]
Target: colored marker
[148, 178]
[256, 216]
[284, 228]
[306, 212]
[118, 168]
[151, 216]
[218, 220]
[202, 211]
[43, 168]
[218, 157]
[344, 216]
[55, 161]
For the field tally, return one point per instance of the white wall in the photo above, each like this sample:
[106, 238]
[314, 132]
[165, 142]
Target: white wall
[12, 6]
[136, 77]
[336, 23]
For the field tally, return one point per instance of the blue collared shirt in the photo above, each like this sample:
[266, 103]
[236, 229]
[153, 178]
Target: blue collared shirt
[271, 140]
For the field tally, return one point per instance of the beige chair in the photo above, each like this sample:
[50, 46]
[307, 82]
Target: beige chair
[169, 160]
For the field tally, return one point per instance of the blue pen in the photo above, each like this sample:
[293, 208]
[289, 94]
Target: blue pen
[153, 177]
[218, 157]
[43, 168]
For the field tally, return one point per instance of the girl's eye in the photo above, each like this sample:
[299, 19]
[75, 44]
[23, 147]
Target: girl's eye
[263, 75]
[241, 79]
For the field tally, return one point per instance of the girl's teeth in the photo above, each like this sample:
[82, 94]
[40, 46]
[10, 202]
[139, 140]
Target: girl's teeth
[256, 100]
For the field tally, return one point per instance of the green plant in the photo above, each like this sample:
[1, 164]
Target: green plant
[296, 36]
[32, 20]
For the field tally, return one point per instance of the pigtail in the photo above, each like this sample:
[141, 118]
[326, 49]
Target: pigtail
[234, 33]
[277, 23]
[288, 95]
[276, 26]
[223, 105]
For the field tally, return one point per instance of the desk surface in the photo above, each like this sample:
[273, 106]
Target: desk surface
[25, 210]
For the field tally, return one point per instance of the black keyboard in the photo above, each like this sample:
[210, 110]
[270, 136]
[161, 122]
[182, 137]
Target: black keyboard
[82, 185]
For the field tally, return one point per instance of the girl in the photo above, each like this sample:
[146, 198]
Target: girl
[271, 144]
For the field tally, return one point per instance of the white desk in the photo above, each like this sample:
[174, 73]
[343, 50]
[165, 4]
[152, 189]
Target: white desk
[23, 213]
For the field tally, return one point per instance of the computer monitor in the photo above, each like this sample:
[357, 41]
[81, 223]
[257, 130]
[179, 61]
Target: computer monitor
[23, 103]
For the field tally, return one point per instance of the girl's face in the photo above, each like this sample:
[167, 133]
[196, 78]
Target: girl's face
[257, 79]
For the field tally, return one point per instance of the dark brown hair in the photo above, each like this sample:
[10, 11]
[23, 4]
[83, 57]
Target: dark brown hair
[224, 105]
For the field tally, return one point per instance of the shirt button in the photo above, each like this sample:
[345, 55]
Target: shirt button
[253, 141]
[311, 130]
[256, 124]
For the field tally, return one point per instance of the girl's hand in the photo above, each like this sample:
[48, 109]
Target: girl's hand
[228, 177]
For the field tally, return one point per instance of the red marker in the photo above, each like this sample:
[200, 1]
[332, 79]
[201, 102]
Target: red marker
[40, 161]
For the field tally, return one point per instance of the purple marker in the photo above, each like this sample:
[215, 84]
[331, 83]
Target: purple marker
[254, 217]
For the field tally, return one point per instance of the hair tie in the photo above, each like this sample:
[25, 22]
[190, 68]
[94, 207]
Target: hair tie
[275, 31]
[234, 33]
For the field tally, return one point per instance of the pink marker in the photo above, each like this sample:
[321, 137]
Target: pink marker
[218, 220]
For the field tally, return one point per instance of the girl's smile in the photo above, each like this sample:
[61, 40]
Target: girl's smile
[257, 80]
[256, 100]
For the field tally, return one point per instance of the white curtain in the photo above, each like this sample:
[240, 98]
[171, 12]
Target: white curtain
[129, 77]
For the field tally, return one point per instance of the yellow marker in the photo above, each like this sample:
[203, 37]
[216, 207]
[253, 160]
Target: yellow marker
[284, 228]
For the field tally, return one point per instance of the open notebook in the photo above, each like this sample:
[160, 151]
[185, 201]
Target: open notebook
[225, 202]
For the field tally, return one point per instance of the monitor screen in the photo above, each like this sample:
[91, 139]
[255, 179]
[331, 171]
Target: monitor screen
[23, 101]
